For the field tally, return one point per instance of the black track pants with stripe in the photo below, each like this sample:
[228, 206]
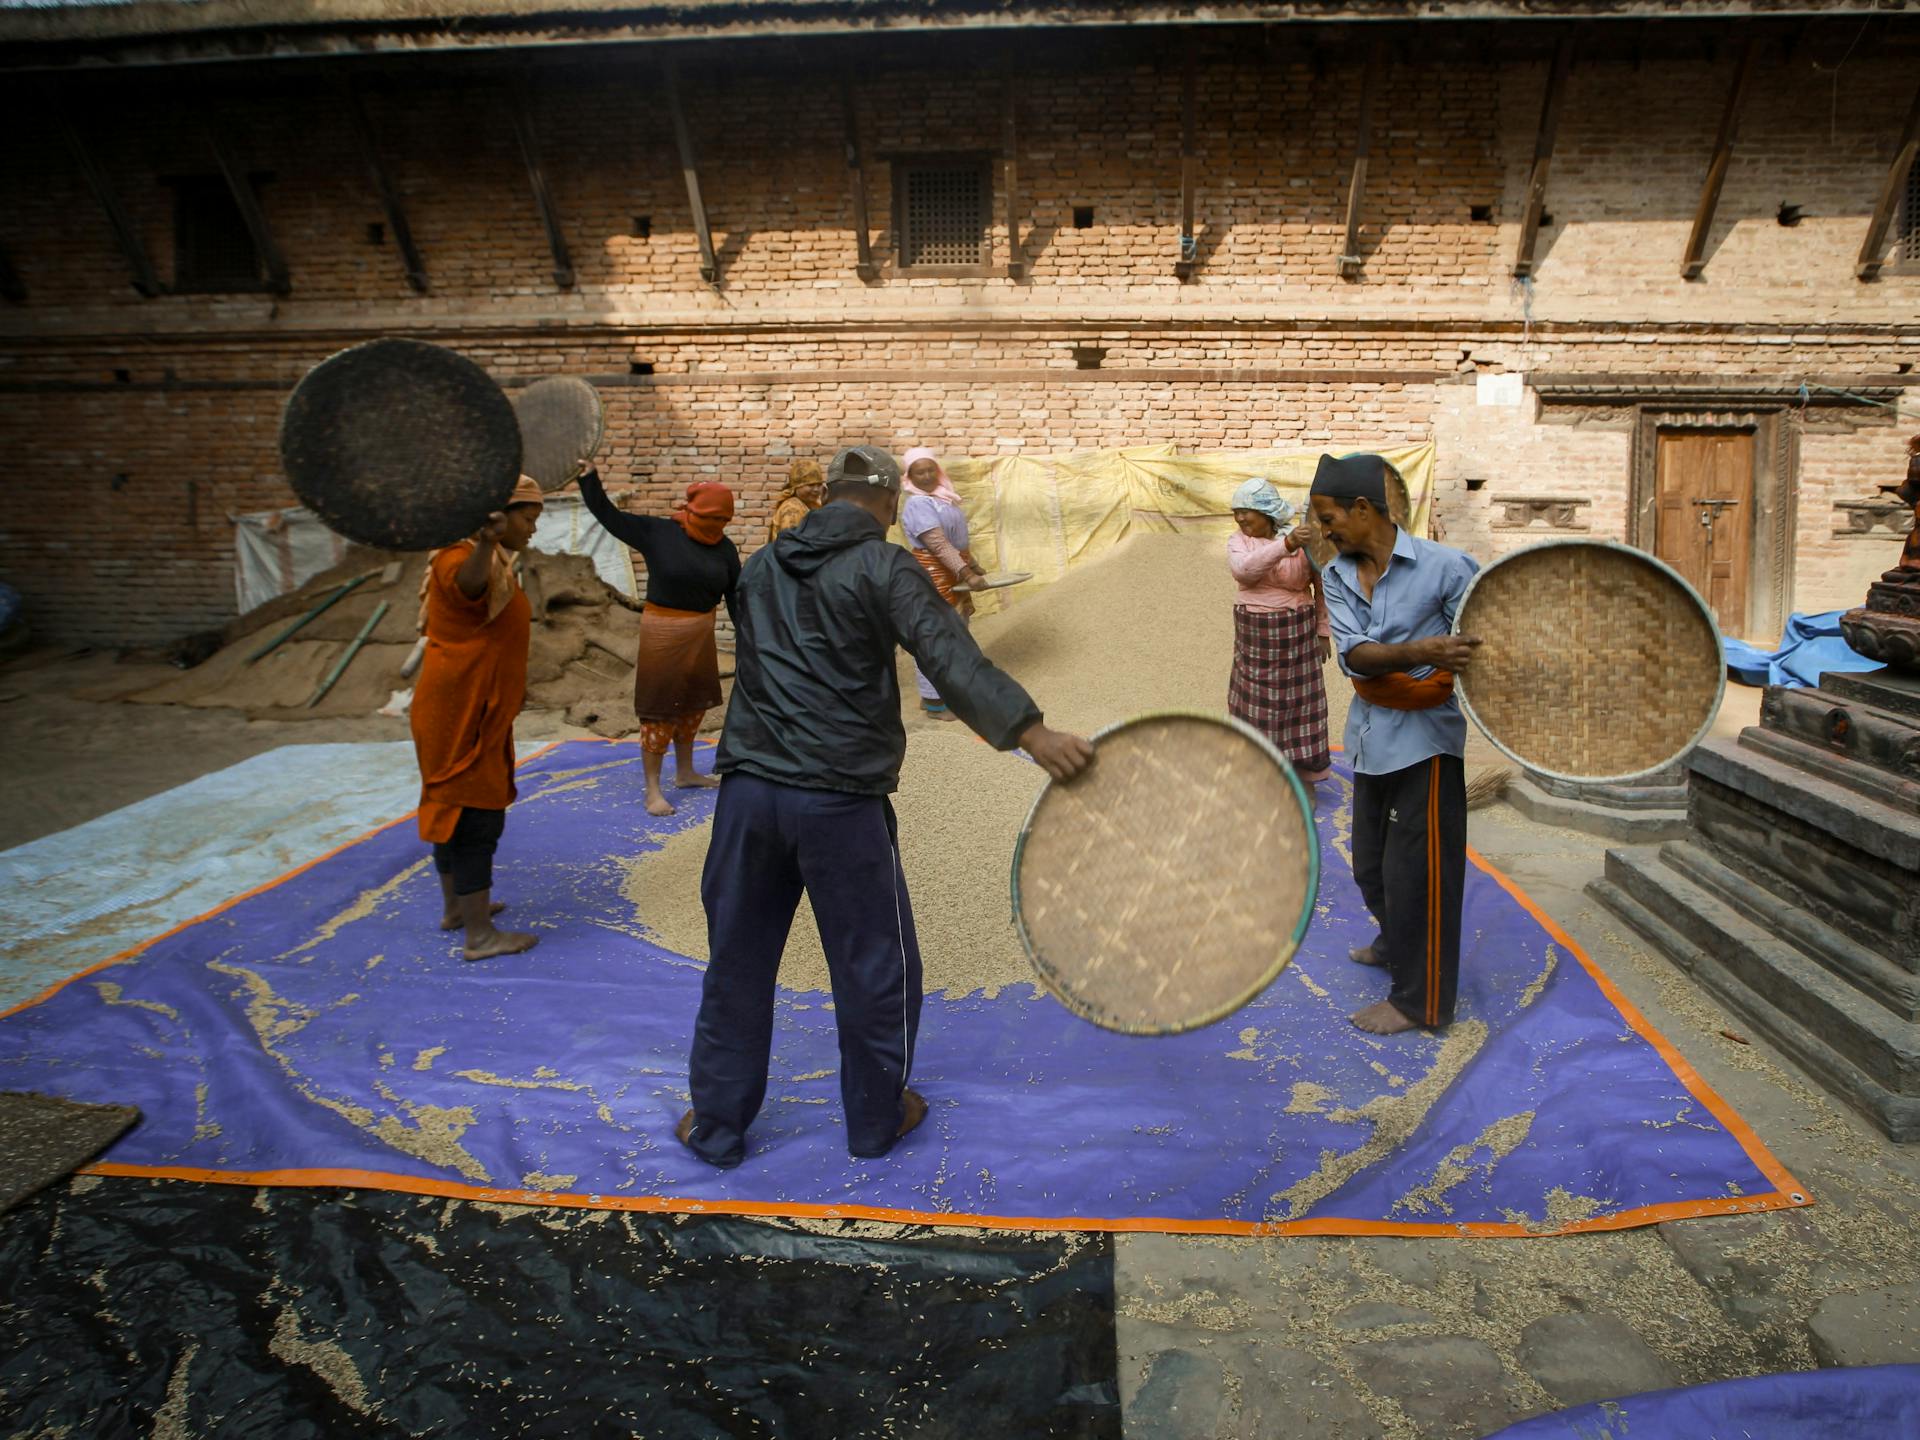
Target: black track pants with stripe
[1410, 861]
[770, 844]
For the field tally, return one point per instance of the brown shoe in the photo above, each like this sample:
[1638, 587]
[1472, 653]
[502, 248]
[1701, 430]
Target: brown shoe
[1368, 955]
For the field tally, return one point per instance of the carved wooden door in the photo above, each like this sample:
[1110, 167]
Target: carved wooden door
[1704, 527]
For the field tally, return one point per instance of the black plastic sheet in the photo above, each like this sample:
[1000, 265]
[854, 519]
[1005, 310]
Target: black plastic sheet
[140, 1307]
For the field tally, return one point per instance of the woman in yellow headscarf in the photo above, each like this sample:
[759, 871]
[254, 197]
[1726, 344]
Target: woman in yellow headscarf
[806, 489]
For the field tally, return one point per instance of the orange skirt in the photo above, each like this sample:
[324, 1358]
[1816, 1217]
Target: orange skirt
[961, 600]
[678, 670]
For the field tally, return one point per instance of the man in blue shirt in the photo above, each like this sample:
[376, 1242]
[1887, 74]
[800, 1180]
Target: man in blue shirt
[1391, 600]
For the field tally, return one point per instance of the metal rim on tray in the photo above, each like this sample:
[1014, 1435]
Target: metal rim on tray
[1464, 690]
[1045, 973]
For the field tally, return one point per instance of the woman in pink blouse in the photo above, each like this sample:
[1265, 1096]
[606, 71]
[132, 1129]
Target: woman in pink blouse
[1280, 632]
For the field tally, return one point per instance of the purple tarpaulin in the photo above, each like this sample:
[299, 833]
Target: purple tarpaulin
[1879, 1402]
[323, 1031]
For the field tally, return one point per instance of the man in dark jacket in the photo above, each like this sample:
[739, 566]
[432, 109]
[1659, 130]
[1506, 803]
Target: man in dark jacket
[812, 749]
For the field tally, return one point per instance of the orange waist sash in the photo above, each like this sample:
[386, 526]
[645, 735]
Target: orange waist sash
[1397, 690]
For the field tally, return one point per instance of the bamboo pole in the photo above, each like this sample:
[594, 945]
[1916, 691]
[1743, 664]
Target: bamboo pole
[312, 615]
[379, 614]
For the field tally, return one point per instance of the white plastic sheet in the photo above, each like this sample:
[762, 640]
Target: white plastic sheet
[278, 551]
[275, 552]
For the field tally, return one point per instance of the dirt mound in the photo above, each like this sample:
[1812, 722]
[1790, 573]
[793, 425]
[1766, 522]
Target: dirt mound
[585, 636]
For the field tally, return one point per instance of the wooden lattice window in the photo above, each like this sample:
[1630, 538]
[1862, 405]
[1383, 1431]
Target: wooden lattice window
[213, 250]
[941, 208]
[1906, 245]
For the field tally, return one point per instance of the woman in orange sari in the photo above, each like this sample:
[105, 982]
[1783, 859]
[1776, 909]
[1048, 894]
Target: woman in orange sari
[473, 681]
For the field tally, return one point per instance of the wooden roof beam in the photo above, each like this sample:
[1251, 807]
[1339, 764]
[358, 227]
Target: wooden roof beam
[1009, 147]
[521, 104]
[1871, 257]
[384, 189]
[1550, 107]
[689, 168]
[145, 281]
[1189, 255]
[857, 182]
[247, 200]
[1693, 262]
[1350, 262]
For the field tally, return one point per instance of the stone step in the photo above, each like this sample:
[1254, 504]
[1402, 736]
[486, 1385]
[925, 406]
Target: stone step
[1849, 738]
[1844, 770]
[1894, 987]
[1637, 826]
[1846, 1041]
[1885, 689]
[1879, 829]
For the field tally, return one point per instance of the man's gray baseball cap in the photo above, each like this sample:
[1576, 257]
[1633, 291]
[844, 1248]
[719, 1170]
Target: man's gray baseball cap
[868, 464]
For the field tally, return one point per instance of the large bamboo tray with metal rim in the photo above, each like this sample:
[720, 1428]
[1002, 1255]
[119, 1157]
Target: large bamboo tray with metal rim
[400, 444]
[1598, 663]
[562, 422]
[1170, 883]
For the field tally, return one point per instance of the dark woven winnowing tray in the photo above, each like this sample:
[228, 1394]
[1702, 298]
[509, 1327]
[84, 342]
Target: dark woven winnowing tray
[1597, 661]
[400, 444]
[561, 425]
[1172, 882]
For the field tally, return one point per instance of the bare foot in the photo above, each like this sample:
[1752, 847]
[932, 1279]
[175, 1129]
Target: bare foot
[451, 921]
[498, 942]
[658, 804]
[683, 1132]
[1368, 955]
[697, 781]
[1382, 1019]
[913, 1109]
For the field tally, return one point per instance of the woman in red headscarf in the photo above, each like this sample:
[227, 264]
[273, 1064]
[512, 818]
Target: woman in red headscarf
[691, 568]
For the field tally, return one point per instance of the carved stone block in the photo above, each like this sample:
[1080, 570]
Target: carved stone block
[1877, 519]
[1541, 512]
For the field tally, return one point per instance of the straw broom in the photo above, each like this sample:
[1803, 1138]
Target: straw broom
[1488, 786]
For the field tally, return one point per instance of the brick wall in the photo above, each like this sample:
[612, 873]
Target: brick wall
[135, 426]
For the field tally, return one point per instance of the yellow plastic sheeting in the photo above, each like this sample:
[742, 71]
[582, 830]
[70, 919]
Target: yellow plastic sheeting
[1048, 513]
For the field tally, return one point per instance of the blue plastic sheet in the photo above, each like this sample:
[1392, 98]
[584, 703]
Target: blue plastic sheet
[325, 1031]
[1879, 1402]
[1809, 647]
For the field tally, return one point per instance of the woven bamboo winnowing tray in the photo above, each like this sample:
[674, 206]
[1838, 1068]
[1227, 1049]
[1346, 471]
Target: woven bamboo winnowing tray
[1171, 882]
[400, 445]
[561, 425]
[1597, 661]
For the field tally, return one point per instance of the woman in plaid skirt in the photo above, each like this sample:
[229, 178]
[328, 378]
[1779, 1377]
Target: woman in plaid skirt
[1280, 632]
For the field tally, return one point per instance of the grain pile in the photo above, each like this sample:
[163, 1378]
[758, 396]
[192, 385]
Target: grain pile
[961, 804]
[585, 637]
[1147, 626]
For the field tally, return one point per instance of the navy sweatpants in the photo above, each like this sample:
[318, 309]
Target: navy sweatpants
[771, 842]
[1410, 862]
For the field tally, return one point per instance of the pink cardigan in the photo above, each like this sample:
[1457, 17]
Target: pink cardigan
[1271, 578]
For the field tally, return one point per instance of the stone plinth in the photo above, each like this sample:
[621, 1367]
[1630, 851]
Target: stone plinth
[1795, 895]
[1648, 810]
